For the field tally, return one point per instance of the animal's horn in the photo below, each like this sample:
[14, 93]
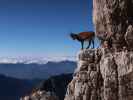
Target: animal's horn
[72, 35]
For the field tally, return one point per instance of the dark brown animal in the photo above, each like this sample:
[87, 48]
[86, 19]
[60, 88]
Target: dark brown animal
[84, 36]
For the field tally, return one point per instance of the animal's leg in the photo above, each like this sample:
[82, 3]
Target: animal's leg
[93, 43]
[82, 44]
[89, 44]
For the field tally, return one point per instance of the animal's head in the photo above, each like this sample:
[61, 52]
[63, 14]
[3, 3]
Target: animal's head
[73, 36]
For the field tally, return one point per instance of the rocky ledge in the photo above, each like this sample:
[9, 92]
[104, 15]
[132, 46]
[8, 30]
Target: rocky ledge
[102, 74]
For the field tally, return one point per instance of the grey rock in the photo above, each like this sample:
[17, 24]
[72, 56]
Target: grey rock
[86, 82]
[129, 37]
[112, 19]
[41, 95]
[110, 78]
[107, 73]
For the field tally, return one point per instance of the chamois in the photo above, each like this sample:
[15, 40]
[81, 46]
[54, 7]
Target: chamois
[84, 36]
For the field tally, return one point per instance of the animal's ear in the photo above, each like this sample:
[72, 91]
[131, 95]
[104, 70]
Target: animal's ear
[71, 33]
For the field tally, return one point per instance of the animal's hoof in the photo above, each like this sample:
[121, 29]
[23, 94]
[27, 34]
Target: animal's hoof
[87, 48]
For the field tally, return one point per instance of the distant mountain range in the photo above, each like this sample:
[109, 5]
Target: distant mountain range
[23, 70]
[13, 89]
[18, 77]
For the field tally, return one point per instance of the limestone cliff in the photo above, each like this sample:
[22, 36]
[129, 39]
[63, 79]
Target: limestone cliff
[102, 75]
[114, 17]
[107, 73]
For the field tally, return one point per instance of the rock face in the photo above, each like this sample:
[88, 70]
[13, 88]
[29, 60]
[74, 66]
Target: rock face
[113, 19]
[107, 73]
[102, 74]
[87, 80]
[41, 95]
[129, 36]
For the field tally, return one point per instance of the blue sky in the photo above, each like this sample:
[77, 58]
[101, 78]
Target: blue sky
[42, 27]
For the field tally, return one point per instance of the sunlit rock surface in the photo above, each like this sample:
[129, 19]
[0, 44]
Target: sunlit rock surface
[41, 95]
[102, 74]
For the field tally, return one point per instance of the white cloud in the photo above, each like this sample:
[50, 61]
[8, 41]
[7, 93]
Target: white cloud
[38, 60]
